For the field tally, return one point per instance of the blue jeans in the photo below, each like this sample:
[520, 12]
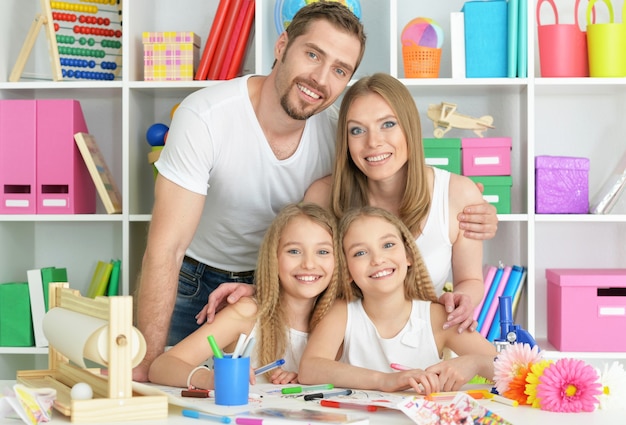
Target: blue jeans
[195, 282]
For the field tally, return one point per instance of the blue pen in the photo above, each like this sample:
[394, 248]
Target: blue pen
[269, 367]
[199, 415]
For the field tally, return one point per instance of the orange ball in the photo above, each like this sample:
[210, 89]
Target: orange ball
[174, 110]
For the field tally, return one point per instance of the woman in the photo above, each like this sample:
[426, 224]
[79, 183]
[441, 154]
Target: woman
[380, 162]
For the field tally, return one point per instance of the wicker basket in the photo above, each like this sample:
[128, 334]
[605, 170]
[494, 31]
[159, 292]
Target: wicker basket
[421, 62]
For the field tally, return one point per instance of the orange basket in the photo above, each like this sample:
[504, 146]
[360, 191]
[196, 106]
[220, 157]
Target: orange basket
[421, 62]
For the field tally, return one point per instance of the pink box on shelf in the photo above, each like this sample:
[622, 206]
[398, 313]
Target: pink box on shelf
[561, 185]
[64, 185]
[18, 142]
[488, 156]
[587, 309]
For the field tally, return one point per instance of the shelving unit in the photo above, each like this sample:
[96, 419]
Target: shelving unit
[573, 117]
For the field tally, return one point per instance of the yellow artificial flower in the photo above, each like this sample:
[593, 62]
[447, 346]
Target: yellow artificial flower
[532, 379]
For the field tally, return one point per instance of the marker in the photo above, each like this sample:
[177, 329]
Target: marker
[199, 415]
[196, 393]
[297, 390]
[499, 399]
[397, 366]
[269, 367]
[247, 348]
[315, 396]
[255, 421]
[239, 346]
[217, 353]
[449, 395]
[344, 405]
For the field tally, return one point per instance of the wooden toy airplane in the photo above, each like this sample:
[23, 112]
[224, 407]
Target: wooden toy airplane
[445, 117]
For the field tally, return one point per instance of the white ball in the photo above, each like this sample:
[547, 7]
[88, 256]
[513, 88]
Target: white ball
[81, 391]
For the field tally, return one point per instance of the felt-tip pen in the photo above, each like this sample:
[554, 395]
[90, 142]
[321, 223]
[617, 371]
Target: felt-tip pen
[217, 353]
[268, 367]
[315, 396]
[297, 390]
[199, 415]
[499, 399]
[397, 366]
[348, 405]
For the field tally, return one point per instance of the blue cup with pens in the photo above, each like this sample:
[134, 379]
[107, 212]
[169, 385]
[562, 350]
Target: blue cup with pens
[231, 373]
[232, 380]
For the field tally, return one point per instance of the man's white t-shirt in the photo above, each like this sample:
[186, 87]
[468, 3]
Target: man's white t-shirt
[216, 147]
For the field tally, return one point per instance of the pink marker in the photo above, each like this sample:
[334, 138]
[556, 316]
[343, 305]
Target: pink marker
[397, 366]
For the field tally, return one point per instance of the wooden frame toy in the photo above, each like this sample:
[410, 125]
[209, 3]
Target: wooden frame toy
[114, 399]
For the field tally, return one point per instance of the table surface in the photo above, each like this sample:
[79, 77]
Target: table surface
[521, 415]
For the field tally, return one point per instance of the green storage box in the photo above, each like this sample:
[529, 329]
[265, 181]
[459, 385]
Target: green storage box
[16, 325]
[497, 191]
[443, 153]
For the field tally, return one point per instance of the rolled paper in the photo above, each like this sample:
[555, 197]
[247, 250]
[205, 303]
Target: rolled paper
[78, 337]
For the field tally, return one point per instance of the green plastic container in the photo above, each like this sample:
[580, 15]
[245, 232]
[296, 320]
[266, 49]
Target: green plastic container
[497, 191]
[443, 153]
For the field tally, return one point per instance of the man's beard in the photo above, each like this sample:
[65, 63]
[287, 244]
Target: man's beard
[292, 112]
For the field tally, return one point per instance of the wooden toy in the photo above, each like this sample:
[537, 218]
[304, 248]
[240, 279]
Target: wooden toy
[113, 396]
[445, 117]
[84, 41]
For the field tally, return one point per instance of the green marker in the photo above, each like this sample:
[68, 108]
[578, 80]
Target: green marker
[297, 390]
[217, 353]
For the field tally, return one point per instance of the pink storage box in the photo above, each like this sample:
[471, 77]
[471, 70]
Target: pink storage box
[488, 156]
[587, 309]
[561, 185]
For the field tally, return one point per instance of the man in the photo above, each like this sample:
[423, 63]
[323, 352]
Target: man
[237, 152]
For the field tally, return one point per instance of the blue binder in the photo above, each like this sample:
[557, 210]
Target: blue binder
[486, 39]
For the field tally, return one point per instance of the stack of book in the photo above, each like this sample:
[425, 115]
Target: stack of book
[38, 286]
[105, 279]
[227, 42]
[500, 280]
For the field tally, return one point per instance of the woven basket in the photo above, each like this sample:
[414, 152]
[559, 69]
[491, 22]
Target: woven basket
[421, 62]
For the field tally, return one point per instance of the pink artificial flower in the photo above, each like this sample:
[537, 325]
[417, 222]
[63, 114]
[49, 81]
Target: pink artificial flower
[569, 385]
[509, 362]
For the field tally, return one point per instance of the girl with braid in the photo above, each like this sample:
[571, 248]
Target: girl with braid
[387, 332]
[296, 284]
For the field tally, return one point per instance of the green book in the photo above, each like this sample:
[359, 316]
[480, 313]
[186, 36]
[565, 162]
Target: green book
[100, 279]
[49, 275]
[114, 281]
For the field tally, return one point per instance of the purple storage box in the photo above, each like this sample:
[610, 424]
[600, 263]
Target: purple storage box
[561, 185]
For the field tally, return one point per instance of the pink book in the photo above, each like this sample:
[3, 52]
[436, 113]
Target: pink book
[489, 274]
[484, 331]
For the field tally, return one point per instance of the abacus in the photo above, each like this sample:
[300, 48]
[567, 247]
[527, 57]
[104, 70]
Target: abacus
[84, 40]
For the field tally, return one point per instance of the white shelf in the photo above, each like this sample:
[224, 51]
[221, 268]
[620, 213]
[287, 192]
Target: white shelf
[544, 116]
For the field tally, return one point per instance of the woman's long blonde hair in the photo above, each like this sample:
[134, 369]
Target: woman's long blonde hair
[349, 188]
[417, 284]
[273, 324]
